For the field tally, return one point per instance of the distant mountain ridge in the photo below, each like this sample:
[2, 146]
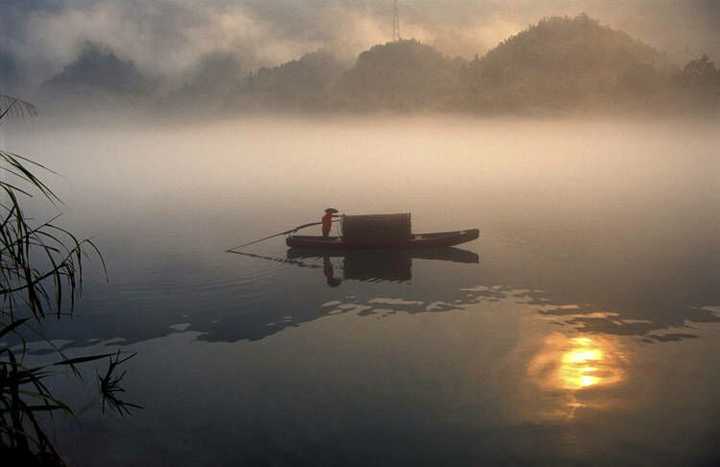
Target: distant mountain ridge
[98, 69]
[560, 64]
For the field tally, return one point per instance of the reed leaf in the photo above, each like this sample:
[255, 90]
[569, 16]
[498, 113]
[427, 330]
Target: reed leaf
[41, 271]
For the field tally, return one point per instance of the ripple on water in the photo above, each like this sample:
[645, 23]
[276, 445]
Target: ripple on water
[249, 284]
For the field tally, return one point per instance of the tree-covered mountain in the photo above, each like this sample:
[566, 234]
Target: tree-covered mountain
[404, 75]
[560, 62]
[303, 84]
[559, 65]
[98, 73]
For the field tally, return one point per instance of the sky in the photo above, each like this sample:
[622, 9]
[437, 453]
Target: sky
[166, 37]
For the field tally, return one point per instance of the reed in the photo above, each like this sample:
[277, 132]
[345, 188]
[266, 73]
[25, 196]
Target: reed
[41, 273]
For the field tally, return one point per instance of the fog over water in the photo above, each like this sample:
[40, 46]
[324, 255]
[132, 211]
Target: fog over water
[581, 327]
[578, 136]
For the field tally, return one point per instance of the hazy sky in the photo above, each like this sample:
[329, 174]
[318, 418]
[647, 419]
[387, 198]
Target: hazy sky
[167, 36]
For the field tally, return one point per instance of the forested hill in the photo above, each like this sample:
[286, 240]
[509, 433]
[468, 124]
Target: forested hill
[97, 74]
[402, 75]
[559, 65]
[299, 85]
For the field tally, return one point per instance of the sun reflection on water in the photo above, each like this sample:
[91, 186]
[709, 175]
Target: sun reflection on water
[588, 362]
[577, 366]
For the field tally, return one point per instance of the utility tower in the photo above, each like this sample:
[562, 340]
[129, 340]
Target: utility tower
[396, 21]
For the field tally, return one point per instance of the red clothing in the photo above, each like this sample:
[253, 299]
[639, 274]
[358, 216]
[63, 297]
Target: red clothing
[327, 224]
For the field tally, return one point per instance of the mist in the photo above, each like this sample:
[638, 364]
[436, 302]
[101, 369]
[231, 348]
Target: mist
[551, 299]
[167, 38]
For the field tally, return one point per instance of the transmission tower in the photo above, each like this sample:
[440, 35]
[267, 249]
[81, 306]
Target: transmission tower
[396, 21]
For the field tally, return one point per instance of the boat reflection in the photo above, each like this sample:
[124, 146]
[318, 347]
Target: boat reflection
[384, 276]
[578, 367]
[376, 265]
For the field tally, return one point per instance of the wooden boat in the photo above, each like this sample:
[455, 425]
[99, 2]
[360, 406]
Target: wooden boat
[430, 240]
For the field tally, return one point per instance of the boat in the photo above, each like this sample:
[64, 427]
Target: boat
[429, 240]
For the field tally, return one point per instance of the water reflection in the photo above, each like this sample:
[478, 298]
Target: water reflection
[329, 271]
[581, 368]
[255, 296]
[377, 265]
[364, 282]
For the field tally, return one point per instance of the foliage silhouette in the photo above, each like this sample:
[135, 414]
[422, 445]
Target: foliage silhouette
[41, 272]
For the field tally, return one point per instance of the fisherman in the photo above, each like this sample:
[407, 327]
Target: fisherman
[327, 221]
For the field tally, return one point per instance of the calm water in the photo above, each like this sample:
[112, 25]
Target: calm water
[582, 328]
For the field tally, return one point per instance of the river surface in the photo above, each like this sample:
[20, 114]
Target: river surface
[581, 328]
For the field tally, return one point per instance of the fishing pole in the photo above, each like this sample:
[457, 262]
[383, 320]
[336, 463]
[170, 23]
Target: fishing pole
[288, 232]
[294, 262]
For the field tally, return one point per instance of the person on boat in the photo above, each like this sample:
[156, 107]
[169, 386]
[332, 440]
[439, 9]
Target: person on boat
[327, 220]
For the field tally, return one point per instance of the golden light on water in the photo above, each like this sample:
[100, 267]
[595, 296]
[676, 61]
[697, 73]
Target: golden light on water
[577, 364]
[577, 373]
[586, 363]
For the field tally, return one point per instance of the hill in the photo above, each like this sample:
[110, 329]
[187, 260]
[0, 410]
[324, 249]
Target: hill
[303, 84]
[560, 62]
[403, 75]
[559, 65]
[97, 72]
